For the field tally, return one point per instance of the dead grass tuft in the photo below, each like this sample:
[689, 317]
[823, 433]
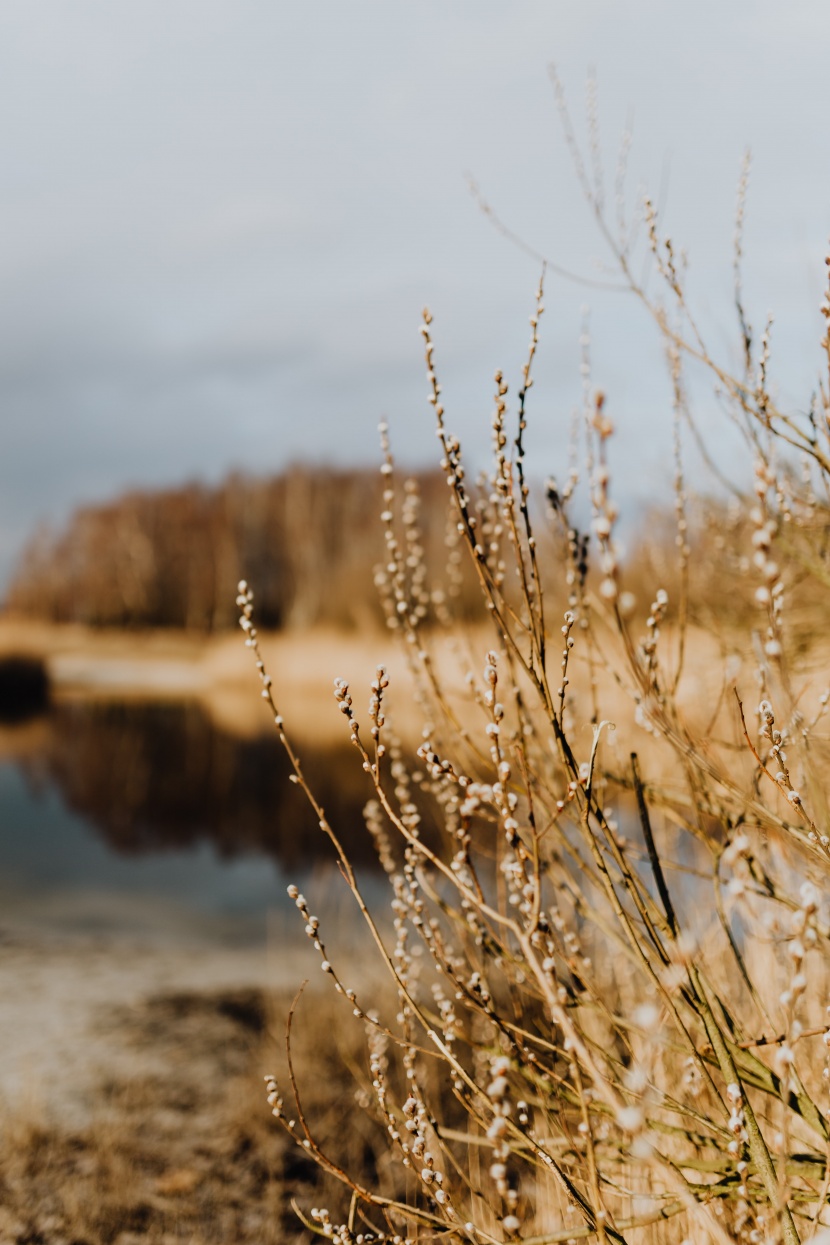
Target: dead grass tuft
[185, 1152]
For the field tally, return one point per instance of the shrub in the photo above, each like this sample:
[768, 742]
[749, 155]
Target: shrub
[610, 975]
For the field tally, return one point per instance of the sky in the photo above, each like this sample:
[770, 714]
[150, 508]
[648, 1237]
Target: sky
[220, 219]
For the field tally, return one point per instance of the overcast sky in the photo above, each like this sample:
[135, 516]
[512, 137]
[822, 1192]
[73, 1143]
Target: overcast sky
[219, 220]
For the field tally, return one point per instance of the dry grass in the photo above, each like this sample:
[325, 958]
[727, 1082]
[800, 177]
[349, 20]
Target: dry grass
[610, 971]
[184, 1151]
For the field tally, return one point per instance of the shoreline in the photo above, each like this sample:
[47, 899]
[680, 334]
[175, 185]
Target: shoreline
[217, 671]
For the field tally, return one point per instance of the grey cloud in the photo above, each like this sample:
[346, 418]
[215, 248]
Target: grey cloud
[219, 221]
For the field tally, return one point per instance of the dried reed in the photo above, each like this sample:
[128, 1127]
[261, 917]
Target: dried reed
[610, 971]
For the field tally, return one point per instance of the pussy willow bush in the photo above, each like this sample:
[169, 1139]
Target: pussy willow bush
[610, 971]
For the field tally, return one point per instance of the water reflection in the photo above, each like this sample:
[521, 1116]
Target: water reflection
[108, 807]
[144, 820]
[159, 776]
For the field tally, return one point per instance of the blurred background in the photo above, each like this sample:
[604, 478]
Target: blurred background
[219, 223]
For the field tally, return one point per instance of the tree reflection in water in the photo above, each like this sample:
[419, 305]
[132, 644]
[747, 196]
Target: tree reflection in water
[159, 775]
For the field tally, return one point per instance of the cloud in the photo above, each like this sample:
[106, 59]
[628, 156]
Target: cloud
[219, 221]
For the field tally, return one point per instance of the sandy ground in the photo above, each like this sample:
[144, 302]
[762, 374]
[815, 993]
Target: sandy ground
[175, 1141]
[59, 1017]
[132, 1103]
[78, 969]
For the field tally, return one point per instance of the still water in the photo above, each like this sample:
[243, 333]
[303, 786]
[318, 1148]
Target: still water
[145, 820]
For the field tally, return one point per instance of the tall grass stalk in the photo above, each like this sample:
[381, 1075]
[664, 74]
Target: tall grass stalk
[609, 969]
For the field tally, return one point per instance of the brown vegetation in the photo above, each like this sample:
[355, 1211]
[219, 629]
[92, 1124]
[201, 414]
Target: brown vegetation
[611, 975]
[182, 1150]
[172, 559]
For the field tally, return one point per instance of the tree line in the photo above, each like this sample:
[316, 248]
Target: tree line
[308, 540]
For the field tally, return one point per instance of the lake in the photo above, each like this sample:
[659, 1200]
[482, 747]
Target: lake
[144, 820]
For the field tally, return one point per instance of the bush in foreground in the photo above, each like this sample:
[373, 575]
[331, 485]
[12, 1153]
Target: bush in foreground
[611, 974]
